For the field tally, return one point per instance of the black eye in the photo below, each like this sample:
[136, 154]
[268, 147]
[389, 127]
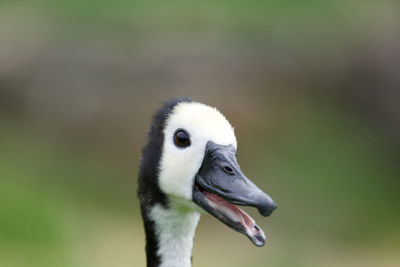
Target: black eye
[181, 138]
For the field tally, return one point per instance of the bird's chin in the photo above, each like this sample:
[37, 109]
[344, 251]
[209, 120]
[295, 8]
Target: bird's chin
[229, 214]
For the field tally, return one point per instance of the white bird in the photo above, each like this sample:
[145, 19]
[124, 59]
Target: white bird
[189, 166]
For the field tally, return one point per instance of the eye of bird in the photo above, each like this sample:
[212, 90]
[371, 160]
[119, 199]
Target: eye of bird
[181, 138]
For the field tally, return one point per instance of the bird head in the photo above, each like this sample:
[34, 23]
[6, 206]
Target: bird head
[198, 166]
[190, 160]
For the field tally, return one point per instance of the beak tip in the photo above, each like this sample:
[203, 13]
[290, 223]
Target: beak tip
[267, 209]
[260, 243]
[258, 239]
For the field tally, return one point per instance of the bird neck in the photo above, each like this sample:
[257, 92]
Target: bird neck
[169, 242]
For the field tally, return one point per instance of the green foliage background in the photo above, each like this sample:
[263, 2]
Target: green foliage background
[310, 86]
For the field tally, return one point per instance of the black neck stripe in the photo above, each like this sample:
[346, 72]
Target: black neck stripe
[149, 192]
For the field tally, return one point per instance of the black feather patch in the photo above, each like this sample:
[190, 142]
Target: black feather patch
[149, 192]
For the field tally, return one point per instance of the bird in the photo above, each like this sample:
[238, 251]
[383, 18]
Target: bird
[189, 167]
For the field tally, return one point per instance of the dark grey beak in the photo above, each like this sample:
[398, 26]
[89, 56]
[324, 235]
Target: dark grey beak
[221, 183]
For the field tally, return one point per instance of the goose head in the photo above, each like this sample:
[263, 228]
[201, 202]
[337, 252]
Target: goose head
[198, 167]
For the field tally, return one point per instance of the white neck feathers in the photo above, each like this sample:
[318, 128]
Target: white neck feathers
[175, 228]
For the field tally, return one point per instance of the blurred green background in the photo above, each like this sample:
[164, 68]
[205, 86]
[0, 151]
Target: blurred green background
[311, 87]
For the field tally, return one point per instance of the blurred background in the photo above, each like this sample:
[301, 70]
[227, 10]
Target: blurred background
[311, 87]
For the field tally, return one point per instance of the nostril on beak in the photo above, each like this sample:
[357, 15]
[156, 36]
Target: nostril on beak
[227, 169]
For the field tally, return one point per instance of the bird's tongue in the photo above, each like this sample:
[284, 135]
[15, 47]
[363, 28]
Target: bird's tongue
[236, 218]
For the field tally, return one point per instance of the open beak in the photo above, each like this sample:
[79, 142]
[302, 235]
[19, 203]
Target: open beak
[220, 184]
